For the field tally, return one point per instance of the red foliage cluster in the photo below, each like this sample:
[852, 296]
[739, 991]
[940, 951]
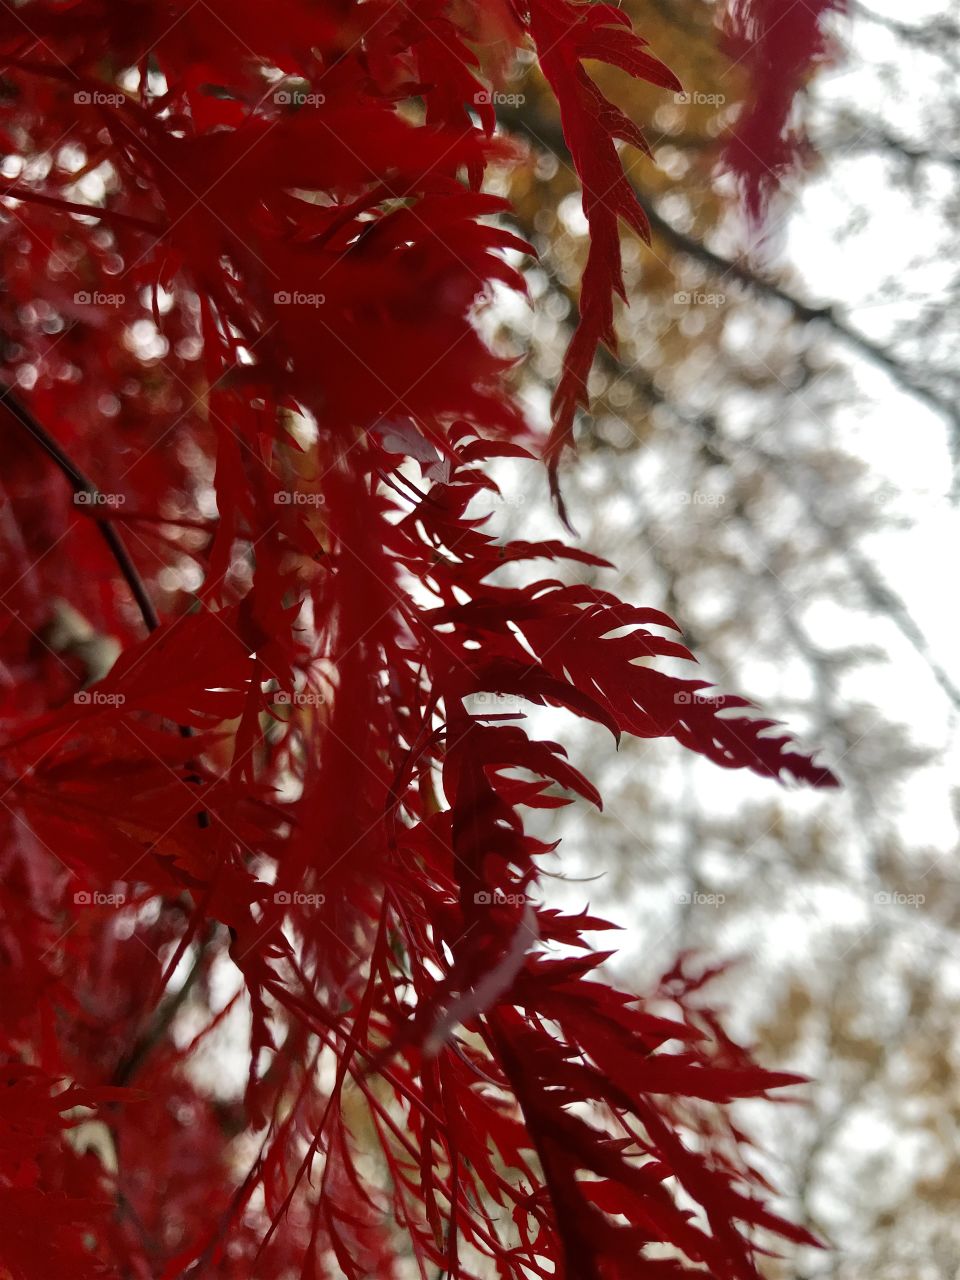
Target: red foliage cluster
[242, 248]
[778, 44]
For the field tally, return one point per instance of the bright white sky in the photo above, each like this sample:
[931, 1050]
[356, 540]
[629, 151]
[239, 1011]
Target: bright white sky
[904, 443]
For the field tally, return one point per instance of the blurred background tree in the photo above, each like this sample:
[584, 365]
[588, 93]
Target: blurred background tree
[771, 460]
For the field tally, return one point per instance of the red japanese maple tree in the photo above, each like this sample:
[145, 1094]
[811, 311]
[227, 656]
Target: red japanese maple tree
[245, 606]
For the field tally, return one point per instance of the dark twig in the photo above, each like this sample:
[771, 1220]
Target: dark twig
[549, 136]
[130, 1063]
[81, 483]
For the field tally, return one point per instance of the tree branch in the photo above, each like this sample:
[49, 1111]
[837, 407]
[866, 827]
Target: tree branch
[549, 135]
